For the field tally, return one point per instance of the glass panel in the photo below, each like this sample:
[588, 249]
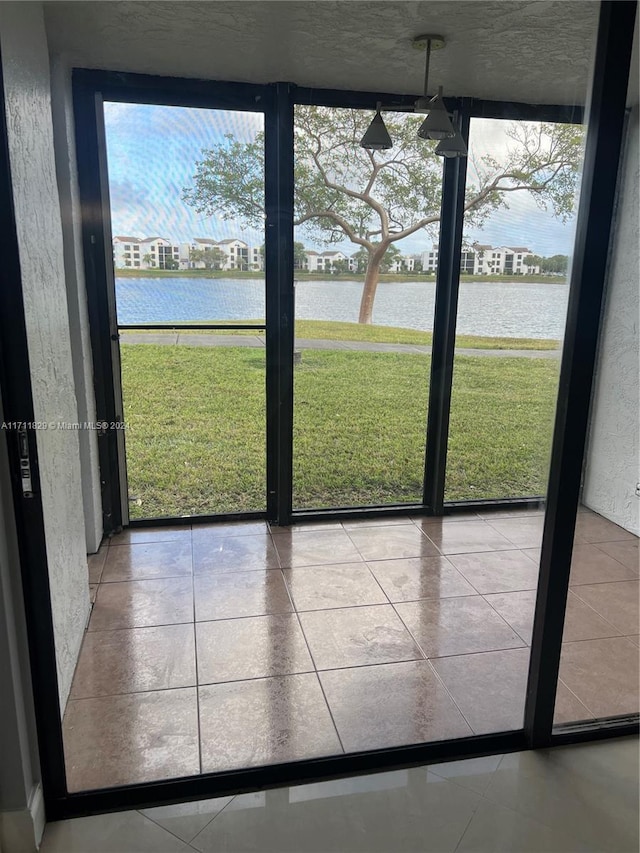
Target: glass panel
[186, 190]
[194, 408]
[521, 187]
[598, 675]
[363, 316]
[510, 324]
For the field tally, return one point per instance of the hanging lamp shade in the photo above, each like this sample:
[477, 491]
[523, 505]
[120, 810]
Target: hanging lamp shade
[453, 146]
[437, 124]
[377, 136]
[423, 104]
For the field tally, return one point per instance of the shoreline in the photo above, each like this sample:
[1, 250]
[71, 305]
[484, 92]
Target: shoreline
[302, 276]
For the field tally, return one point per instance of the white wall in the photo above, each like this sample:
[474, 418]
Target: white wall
[613, 453]
[25, 61]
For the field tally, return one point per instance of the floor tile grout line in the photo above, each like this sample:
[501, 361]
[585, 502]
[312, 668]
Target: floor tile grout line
[232, 797]
[132, 627]
[317, 675]
[575, 695]
[471, 817]
[399, 526]
[537, 819]
[165, 828]
[149, 578]
[131, 693]
[195, 652]
[382, 589]
[597, 612]
[603, 583]
[599, 544]
[473, 586]
[506, 621]
[330, 710]
[560, 680]
[436, 673]
[451, 598]
[433, 768]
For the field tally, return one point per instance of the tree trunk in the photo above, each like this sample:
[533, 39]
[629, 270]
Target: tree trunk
[369, 290]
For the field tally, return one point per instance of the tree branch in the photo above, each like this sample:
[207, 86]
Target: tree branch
[340, 221]
[411, 229]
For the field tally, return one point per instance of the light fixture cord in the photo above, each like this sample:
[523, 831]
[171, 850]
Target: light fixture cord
[426, 69]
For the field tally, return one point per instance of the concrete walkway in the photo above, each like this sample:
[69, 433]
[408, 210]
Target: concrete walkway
[204, 340]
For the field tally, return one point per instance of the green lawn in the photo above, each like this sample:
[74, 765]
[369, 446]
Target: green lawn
[336, 331]
[195, 436]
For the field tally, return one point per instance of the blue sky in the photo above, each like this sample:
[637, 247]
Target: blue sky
[151, 154]
[152, 151]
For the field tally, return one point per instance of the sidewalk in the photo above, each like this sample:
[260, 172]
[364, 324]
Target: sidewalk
[204, 340]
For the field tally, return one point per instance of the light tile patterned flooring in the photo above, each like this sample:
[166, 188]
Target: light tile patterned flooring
[229, 646]
[567, 800]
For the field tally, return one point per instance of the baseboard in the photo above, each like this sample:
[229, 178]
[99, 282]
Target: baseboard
[21, 831]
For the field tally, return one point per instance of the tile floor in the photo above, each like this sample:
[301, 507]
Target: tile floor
[566, 800]
[235, 645]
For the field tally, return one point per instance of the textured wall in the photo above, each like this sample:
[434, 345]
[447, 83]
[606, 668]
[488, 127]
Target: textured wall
[28, 103]
[613, 455]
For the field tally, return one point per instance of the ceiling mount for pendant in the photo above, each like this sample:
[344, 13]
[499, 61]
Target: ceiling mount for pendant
[422, 42]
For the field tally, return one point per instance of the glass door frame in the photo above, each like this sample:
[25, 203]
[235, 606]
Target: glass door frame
[604, 145]
[91, 89]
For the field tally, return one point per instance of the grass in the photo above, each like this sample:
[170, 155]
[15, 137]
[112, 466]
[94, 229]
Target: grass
[196, 427]
[393, 335]
[301, 275]
[336, 331]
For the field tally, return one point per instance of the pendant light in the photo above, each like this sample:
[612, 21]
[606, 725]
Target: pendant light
[437, 124]
[377, 136]
[452, 146]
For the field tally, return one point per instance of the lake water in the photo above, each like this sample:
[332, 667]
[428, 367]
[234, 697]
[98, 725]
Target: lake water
[509, 309]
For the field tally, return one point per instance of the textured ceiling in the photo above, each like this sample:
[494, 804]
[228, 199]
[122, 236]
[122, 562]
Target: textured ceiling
[538, 52]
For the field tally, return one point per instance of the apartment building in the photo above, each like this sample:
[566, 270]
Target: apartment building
[146, 253]
[162, 253]
[326, 261]
[126, 251]
[483, 259]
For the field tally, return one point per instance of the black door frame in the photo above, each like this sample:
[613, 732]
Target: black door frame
[604, 144]
[90, 90]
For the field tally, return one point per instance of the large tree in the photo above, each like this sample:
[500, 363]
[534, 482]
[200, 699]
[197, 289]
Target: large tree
[376, 198]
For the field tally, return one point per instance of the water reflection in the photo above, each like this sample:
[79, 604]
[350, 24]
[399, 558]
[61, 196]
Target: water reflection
[507, 309]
